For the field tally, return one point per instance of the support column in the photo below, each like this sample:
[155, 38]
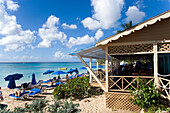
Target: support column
[111, 65]
[90, 68]
[106, 68]
[97, 64]
[155, 49]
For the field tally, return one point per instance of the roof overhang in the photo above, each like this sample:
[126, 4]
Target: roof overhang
[90, 52]
[137, 27]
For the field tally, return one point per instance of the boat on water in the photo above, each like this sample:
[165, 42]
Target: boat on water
[62, 68]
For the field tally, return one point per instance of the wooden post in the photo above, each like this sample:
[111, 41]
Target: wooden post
[97, 64]
[106, 68]
[90, 68]
[111, 64]
[91, 71]
[155, 49]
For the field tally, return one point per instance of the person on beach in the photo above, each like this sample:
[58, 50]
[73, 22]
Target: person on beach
[18, 92]
[67, 78]
[1, 96]
[58, 76]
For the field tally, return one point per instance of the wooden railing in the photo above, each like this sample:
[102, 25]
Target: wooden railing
[164, 85]
[122, 83]
[101, 76]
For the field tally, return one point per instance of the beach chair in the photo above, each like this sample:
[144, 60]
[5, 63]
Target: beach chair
[56, 84]
[80, 75]
[38, 84]
[22, 96]
[35, 91]
[47, 81]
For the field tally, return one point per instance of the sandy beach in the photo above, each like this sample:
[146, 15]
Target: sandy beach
[88, 105]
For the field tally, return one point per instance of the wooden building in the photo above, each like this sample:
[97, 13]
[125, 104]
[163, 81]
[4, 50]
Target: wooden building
[148, 39]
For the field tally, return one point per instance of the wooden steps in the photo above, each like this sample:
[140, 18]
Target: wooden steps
[95, 84]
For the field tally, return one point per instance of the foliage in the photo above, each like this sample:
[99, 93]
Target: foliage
[126, 26]
[75, 88]
[42, 106]
[145, 96]
[100, 61]
[36, 106]
[18, 110]
[63, 107]
[5, 110]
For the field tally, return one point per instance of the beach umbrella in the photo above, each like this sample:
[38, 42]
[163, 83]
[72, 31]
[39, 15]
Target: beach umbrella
[11, 84]
[16, 77]
[96, 66]
[48, 72]
[59, 72]
[11, 79]
[83, 68]
[70, 71]
[76, 70]
[33, 81]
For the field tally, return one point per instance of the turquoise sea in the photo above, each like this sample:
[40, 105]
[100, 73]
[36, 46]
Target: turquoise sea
[38, 68]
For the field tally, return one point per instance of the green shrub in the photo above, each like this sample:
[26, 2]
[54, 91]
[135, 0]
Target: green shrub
[146, 96]
[76, 88]
[63, 107]
[36, 106]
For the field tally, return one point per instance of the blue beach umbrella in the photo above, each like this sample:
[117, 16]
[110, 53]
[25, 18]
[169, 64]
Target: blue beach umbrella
[11, 84]
[76, 71]
[83, 68]
[16, 77]
[48, 72]
[96, 66]
[11, 79]
[33, 81]
[59, 72]
[70, 71]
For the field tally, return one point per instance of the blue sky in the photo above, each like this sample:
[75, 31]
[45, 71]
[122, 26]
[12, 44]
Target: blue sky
[47, 30]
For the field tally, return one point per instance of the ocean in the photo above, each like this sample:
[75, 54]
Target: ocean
[28, 68]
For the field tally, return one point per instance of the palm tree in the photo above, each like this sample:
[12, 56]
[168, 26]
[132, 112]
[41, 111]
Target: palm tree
[126, 26]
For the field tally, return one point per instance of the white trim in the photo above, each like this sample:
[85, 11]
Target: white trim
[132, 53]
[135, 28]
[163, 51]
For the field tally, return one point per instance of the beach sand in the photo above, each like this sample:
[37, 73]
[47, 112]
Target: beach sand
[88, 105]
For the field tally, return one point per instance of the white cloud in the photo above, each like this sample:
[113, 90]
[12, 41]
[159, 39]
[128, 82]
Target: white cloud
[31, 46]
[59, 55]
[66, 26]
[52, 21]
[25, 58]
[106, 14]
[140, 4]
[12, 5]
[98, 34]
[134, 14]
[91, 24]
[80, 40]
[14, 37]
[49, 32]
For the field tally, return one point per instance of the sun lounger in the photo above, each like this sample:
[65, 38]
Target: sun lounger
[35, 86]
[47, 81]
[35, 91]
[56, 84]
[19, 97]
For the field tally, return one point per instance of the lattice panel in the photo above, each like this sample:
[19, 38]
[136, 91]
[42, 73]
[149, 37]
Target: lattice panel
[130, 48]
[120, 101]
[164, 47]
